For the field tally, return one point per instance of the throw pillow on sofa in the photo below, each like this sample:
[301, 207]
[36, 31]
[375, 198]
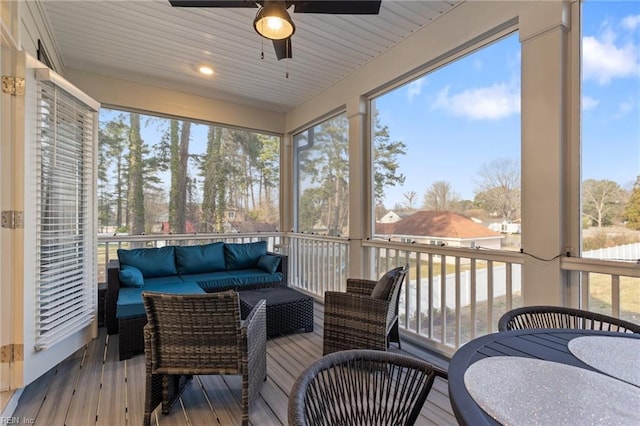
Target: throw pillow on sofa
[269, 263]
[243, 255]
[130, 276]
[200, 259]
[152, 262]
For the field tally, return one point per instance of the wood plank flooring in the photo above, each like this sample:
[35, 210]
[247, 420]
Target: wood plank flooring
[92, 387]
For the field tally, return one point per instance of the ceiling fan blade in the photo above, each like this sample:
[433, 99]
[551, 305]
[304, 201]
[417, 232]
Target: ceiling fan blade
[213, 3]
[283, 48]
[353, 7]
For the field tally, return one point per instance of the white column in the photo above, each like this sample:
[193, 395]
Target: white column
[544, 33]
[359, 185]
[286, 183]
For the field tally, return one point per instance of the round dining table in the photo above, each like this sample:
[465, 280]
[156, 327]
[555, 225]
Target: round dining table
[547, 376]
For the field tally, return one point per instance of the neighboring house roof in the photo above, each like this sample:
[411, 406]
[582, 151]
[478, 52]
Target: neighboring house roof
[395, 215]
[404, 213]
[443, 224]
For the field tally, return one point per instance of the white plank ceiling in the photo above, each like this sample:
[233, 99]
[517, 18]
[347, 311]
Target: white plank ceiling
[154, 43]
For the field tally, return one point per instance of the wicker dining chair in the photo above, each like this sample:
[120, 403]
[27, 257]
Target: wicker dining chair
[361, 387]
[561, 317]
[189, 334]
[360, 319]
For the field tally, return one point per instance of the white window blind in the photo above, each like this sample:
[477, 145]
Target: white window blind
[65, 246]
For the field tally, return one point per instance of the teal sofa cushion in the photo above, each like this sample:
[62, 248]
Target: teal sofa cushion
[268, 263]
[152, 262]
[254, 276]
[212, 281]
[200, 259]
[130, 276]
[170, 279]
[243, 255]
[130, 298]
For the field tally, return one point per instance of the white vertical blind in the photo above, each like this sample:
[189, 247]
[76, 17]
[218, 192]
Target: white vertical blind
[65, 300]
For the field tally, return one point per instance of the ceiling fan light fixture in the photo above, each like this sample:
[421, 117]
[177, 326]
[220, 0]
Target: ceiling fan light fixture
[205, 69]
[273, 21]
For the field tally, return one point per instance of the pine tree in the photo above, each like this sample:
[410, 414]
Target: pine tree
[174, 167]
[112, 141]
[136, 190]
[385, 160]
[214, 185]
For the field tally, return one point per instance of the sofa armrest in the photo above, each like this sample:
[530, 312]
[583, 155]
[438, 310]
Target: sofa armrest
[283, 267]
[113, 287]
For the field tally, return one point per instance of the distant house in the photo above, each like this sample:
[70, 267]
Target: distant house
[505, 227]
[440, 228]
[395, 216]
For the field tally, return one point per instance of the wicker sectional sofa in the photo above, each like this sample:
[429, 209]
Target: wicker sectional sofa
[184, 270]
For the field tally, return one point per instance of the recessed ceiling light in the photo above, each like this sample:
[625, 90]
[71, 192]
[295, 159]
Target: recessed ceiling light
[206, 70]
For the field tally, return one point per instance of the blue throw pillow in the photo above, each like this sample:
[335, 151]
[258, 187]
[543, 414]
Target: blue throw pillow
[200, 259]
[152, 262]
[244, 255]
[130, 276]
[269, 263]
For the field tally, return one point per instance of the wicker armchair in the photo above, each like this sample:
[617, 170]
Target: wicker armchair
[201, 334]
[355, 320]
[361, 387]
[560, 317]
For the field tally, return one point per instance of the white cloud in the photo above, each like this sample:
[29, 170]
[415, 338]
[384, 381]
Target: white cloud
[483, 103]
[589, 103]
[605, 60]
[414, 89]
[624, 108]
[631, 22]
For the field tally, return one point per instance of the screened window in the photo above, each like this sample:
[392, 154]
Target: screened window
[322, 177]
[65, 276]
[159, 175]
[446, 146]
[610, 147]
[610, 130]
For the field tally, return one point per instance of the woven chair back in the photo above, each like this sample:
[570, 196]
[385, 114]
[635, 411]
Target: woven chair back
[194, 331]
[361, 387]
[561, 317]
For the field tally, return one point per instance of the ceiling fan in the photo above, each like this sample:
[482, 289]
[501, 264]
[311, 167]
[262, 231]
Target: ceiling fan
[273, 21]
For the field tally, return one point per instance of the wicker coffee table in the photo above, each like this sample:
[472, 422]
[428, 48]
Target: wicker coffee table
[288, 310]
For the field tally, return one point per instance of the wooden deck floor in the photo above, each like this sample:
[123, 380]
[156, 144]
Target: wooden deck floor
[93, 388]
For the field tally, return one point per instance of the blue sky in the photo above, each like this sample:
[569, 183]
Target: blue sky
[467, 113]
[611, 91]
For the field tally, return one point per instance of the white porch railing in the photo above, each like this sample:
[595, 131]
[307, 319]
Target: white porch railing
[451, 295]
[478, 285]
[318, 263]
[608, 287]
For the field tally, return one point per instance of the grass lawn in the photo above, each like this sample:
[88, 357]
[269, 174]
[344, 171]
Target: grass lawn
[600, 296]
